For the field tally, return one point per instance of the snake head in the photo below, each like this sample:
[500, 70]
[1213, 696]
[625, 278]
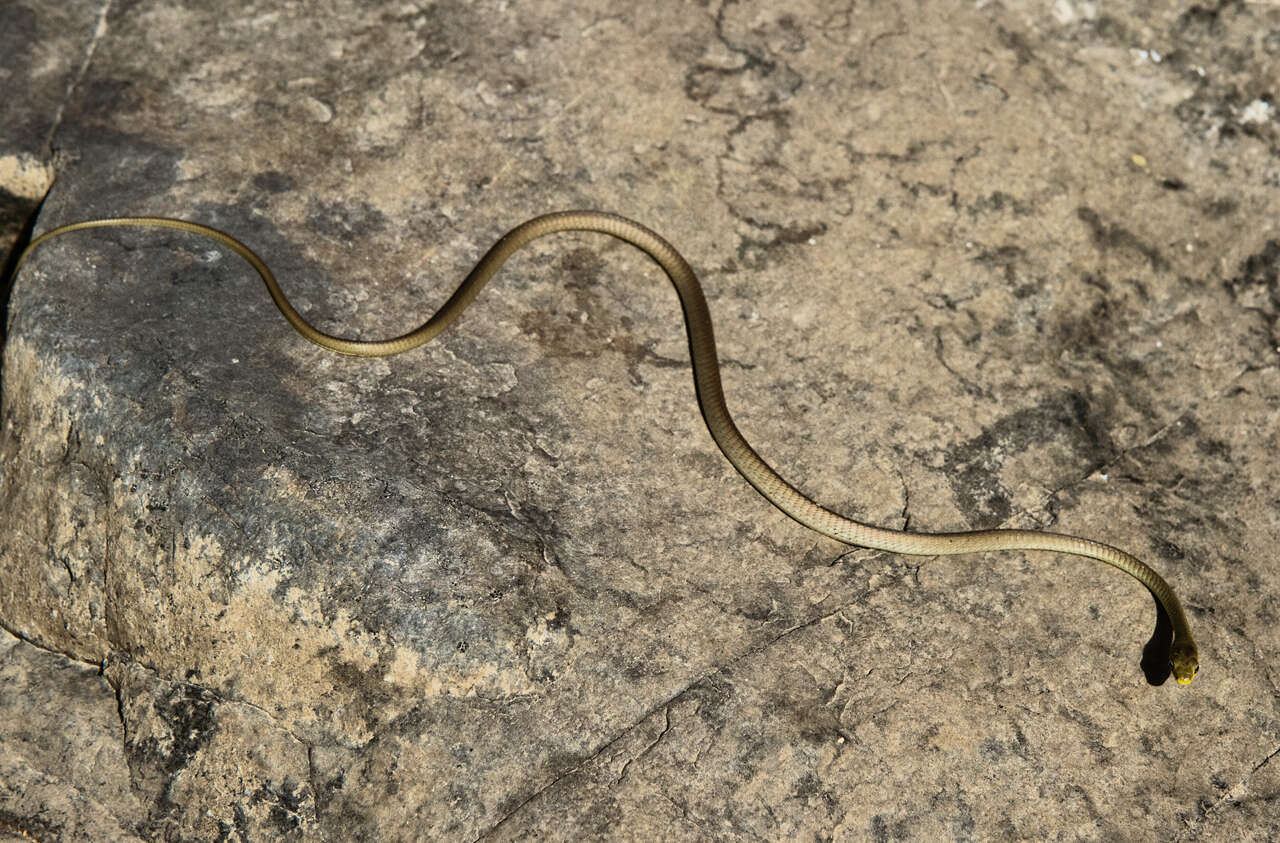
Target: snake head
[1183, 661]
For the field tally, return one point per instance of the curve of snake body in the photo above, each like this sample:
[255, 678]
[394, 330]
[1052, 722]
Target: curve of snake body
[1183, 658]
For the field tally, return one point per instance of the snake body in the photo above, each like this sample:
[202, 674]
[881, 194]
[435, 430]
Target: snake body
[1183, 657]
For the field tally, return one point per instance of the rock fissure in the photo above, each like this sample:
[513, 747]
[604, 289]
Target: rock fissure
[77, 79]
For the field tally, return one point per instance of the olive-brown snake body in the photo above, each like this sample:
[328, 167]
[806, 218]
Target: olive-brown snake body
[706, 373]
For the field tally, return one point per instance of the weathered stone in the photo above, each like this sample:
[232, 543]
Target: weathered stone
[41, 52]
[63, 769]
[979, 266]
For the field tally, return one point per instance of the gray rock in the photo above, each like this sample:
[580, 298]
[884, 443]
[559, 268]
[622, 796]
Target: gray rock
[971, 267]
[63, 769]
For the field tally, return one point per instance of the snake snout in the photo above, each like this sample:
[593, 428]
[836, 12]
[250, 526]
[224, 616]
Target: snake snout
[1183, 662]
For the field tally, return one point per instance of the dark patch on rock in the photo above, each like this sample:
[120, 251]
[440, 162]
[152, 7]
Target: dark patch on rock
[187, 712]
[1115, 236]
[1257, 287]
[274, 181]
[1258, 284]
[973, 467]
[348, 221]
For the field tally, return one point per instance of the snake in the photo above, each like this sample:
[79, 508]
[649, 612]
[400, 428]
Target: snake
[1183, 655]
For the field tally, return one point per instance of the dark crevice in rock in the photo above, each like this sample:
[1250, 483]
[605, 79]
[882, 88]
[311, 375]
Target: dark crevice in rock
[1232, 794]
[1264, 762]
[99, 31]
[666, 729]
[72, 657]
[29, 213]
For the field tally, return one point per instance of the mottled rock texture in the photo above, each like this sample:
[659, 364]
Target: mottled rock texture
[971, 264]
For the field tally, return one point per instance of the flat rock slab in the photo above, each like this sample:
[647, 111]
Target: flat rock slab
[1011, 264]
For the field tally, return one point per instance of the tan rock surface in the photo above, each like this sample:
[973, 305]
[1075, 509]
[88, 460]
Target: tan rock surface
[1000, 264]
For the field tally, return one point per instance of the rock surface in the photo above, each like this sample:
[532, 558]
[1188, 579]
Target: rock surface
[971, 267]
